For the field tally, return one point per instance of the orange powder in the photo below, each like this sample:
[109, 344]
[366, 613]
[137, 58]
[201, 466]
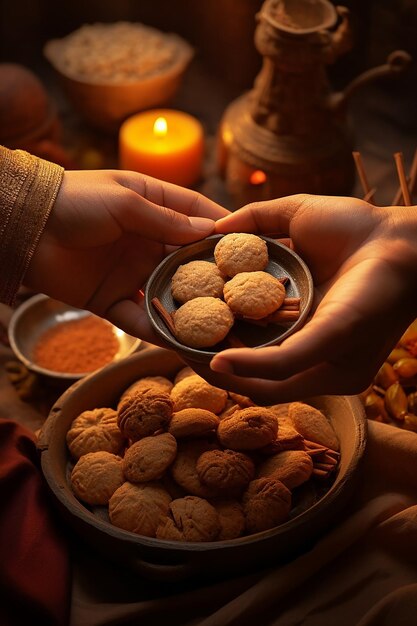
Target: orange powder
[76, 346]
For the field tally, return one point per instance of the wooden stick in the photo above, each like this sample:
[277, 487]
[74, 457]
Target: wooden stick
[362, 176]
[321, 473]
[327, 458]
[399, 162]
[315, 446]
[292, 302]
[412, 179]
[413, 174]
[283, 316]
[316, 452]
[324, 466]
[333, 453]
[369, 197]
[164, 315]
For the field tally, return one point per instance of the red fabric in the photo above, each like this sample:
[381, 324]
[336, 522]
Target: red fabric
[34, 563]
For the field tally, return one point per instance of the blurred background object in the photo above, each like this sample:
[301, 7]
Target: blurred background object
[28, 117]
[110, 71]
[291, 126]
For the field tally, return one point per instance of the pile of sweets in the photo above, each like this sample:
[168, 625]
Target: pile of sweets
[185, 461]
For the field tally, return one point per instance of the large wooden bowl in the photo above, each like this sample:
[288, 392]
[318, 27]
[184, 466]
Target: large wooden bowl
[170, 560]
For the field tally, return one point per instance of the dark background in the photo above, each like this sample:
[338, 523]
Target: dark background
[384, 114]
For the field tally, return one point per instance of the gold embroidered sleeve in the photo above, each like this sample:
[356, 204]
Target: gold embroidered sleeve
[28, 189]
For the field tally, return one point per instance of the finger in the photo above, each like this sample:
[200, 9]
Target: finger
[266, 217]
[340, 328]
[322, 379]
[311, 345]
[159, 223]
[180, 199]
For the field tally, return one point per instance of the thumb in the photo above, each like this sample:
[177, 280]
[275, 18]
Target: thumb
[273, 216]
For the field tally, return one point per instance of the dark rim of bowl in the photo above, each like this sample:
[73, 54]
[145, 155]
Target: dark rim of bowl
[204, 355]
[31, 365]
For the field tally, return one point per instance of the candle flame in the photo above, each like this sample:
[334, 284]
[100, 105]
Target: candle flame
[160, 127]
[258, 177]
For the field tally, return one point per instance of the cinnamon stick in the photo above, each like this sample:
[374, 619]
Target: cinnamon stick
[333, 453]
[413, 174]
[399, 162]
[317, 452]
[291, 302]
[327, 458]
[164, 314]
[283, 280]
[324, 466]
[369, 197]
[412, 179]
[283, 316]
[362, 176]
[313, 444]
[321, 473]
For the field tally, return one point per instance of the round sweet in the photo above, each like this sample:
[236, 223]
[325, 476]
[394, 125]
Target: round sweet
[266, 503]
[142, 414]
[254, 295]
[94, 431]
[291, 467]
[153, 383]
[227, 470]
[202, 322]
[193, 423]
[138, 508]
[248, 429]
[190, 519]
[241, 252]
[184, 470]
[313, 425]
[195, 393]
[96, 476]
[231, 517]
[149, 458]
[197, 279]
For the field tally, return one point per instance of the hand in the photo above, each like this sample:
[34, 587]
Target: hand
[106, 233]
[363, 260]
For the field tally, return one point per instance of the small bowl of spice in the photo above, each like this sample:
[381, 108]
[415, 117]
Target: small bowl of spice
[59, 341]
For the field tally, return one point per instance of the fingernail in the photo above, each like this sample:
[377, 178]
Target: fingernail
[221, 365]
[202, 224]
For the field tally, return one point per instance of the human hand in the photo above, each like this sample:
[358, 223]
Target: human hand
[107, 232]
[363, 260]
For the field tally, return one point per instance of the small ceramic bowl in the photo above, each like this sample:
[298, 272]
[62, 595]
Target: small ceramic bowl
[106, 105]
[283, 263]
[40, 313]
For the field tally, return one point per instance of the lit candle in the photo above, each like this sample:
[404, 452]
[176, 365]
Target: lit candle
[163, 143]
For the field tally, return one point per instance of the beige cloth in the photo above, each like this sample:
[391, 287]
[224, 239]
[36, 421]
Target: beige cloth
[363, 573]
